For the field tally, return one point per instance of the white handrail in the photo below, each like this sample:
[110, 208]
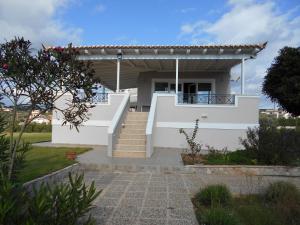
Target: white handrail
[118, 114]
[151, 115]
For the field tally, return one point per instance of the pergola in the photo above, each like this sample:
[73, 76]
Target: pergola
[118, 66]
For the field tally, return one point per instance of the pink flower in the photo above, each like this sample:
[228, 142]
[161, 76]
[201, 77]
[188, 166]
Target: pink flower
[5, 66]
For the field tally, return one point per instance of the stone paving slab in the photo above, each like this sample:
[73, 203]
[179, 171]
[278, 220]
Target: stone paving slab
[147, 198]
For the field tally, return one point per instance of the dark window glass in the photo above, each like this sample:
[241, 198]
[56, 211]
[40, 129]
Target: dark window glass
[161, 86]
[172, 87]
[204, 87]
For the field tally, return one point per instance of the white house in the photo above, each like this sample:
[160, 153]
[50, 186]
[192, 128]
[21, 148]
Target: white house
[176, 85]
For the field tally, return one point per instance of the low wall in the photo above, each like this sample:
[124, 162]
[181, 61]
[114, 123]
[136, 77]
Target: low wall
[52, 178]
[233, 170]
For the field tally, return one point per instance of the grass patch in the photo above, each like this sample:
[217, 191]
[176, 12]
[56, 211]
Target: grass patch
[34, 137]
[43, 160]
[252, 209]
[238, 157]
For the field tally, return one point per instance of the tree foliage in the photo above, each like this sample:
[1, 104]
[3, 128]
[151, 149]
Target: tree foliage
[282, 82]
[38, 78]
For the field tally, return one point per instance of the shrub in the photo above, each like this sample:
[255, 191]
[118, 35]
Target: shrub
[272, 146]
[285, 199]
[282, 191]
[35, 128]
[195, 147]
[64, 203]
[256, 214]
[214, 195]
[218, 216]
[240, 157]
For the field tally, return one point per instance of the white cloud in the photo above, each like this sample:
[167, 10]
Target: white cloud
[248, 21]
[37, 21]
[186, 10]
[99, 8]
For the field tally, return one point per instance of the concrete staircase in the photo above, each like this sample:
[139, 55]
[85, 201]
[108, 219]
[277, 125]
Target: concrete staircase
[132, 140]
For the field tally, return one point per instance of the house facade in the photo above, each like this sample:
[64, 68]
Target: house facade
[175, 86]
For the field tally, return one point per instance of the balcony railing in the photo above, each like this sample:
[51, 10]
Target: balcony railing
[98, 98]
[206, 99]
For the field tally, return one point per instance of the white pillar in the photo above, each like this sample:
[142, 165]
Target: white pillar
[118, 76]
[242, 77]
[176, 85]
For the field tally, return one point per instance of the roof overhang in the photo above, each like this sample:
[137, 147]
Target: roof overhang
[142, 58]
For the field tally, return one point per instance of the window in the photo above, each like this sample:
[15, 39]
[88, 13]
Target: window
[172, 88]
[204, 88]
[161, 87]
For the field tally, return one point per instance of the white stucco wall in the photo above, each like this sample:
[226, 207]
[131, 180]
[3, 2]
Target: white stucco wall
[92, 132]
[220, 126]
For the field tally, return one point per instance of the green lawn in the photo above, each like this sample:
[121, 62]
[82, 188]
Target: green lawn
[43, 160]
[34, 137]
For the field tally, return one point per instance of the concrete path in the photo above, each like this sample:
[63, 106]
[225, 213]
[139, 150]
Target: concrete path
[160, 198]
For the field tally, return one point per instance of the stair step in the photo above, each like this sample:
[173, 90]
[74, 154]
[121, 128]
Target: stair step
[130, 147]
[132, 136]
[137, 116]
[131, 141]
[134, 126]
[130, 121]
[129, 154]
[133, 131]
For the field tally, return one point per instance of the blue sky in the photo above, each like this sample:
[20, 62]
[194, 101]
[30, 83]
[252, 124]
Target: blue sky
[88, 22]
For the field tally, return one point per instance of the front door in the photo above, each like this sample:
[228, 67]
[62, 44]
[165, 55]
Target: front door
[189, 92]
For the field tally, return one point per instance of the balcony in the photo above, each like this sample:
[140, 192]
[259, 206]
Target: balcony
[203, 99]
[97, 98]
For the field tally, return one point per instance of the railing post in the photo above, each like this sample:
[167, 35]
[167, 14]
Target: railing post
[176, 88]
[242, 77]
[118, 76]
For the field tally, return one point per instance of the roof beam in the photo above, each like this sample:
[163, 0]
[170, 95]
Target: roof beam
[188, 51]
[204, 51]
[155, 51]
[221, 50]
[171, 51]
[137, 51]
[163, 57]
[145, 64]
[103, 51]
[238, 51]
[160, 65]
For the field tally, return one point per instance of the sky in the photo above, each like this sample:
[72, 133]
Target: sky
[159, 22]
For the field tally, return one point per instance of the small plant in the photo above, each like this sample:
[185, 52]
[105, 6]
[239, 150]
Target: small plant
[64, 203]
[194, 147]
[214, 195]
[282, 191]
[285, 199]
[218, 216]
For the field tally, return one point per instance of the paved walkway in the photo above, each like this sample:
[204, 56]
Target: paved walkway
[160, 198]
[151, 196]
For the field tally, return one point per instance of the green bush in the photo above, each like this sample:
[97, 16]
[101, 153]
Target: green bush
[218, 216]
[256, 214]
[272, 146]
[284, 197]
[35, 128]
[238, 157]
[282, 191]
[64, 203]
[214, 195]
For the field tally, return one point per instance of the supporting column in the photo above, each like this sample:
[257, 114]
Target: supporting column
[118, 76]
[242, 77]
[176, 88]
